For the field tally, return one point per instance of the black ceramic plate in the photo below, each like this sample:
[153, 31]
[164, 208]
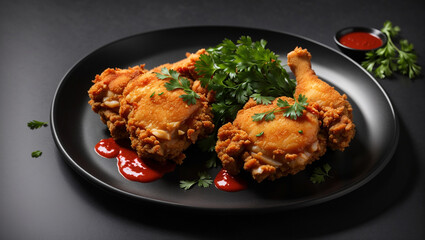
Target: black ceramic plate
[77, 129]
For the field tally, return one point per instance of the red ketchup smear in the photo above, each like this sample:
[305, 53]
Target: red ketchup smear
[361, 40]
[130, 165]
[107, 148]
[229, 183]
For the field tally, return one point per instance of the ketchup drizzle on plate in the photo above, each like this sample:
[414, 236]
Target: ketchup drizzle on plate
[229, 183]
[107, 148]
[133, 168]
[130, 165]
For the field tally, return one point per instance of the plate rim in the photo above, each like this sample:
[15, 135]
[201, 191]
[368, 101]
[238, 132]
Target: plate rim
[305, 203]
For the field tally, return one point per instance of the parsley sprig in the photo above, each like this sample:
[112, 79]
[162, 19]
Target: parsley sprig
[36, 154]
[319, 173]
[292, 111]
[34, 124]
[178, 82]
[239, 71]
[390, 58]
[204, 180]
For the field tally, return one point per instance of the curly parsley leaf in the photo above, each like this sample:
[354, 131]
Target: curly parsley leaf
[384, 61]
[36, 154]
[292, 111]
[34, 124]
[319, 173]
[178, 82]
[204, 180]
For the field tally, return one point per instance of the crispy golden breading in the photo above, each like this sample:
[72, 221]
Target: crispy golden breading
[106, 93]
[280, 150]
[335, 110]
[186, 66]
[160, 123]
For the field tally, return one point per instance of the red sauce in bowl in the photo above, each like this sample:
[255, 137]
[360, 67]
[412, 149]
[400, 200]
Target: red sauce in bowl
[361, 41]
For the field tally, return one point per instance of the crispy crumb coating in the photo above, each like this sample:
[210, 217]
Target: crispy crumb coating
[280, 150]
[161, 125]
[335, 111]
[186, 66]
[106, 93]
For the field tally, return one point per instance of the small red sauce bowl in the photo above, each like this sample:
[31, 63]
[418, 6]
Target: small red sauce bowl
[358, 54]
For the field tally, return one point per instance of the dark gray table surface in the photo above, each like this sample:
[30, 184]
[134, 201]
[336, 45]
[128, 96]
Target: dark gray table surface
[44, 198]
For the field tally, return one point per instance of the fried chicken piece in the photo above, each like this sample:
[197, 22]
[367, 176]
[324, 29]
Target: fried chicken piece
[186, 67]
[161, 125]
[106, 93]
[335, 110]
[270, 149]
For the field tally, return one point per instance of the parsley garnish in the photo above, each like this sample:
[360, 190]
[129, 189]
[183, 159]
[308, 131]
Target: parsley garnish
[260, 134]
[186, 185]
[262, 99]
[237, 72]
[388, 59]
[152, 94]
[36, 154]
[300, 132]
[204, 180]
[319, 173]
[292, 111]
[211, 162]
[178, 82]
[34, 124]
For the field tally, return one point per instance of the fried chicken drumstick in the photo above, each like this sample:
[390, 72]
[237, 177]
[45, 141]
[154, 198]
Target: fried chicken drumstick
[276, 148]
[335, 111]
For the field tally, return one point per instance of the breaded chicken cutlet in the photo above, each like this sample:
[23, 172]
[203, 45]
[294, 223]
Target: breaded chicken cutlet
[161, 125]
[270, 149]
[135, 104]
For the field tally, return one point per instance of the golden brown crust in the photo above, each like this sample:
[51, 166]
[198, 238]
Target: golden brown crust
[335, 110]
[231, 143]
[106, 93]
[279, 150]
[160, 123]
[186, 66]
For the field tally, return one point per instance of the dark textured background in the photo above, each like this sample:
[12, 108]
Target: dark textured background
[45, 199]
